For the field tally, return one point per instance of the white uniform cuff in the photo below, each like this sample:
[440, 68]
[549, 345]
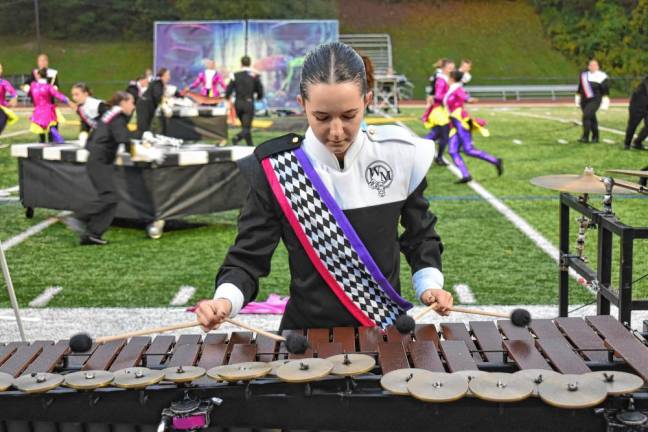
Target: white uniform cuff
[233, 294]
[425, 279]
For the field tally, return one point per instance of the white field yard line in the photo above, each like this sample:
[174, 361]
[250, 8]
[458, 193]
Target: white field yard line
[464, 293]
[63, 322]
[9, 190]
[546, 117]
[13, 134]
[33, 230]
[45, 297]
[536, 237]
[183, 295]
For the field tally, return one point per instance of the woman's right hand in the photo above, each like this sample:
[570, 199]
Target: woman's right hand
[211, 313]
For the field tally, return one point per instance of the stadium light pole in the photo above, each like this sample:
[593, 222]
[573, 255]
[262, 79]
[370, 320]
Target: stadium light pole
[38, 37]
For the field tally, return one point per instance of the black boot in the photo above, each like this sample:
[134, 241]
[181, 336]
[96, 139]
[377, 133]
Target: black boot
[464, 180]
[439, 161]
[499, 165]
[87, 239]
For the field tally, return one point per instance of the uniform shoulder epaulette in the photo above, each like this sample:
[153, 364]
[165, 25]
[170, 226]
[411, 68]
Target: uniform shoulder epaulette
[277, 145]
[391, 133]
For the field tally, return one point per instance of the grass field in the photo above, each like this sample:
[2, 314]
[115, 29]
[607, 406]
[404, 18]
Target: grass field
[482, 248]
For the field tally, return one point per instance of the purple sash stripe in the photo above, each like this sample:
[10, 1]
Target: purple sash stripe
[587, 87]
[349, 231]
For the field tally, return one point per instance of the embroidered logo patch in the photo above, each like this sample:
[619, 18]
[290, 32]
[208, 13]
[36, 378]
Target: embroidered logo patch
[379, 176]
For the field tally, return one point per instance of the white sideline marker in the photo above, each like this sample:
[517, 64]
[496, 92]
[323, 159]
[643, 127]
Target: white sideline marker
[608, 141]
[562, 141]
[45, 297]
[464, 293]
[183, 295]
[13, 134]
[9, 191]
[517, 142]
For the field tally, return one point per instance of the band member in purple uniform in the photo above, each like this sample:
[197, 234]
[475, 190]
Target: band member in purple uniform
[593, 90]
[8, 98]
[462, 126]
[335, 197]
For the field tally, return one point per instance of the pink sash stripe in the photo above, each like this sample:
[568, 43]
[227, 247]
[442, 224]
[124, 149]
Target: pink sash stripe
[357, 313]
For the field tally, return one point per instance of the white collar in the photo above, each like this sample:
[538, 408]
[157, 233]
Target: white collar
[318, 151]
[442, 76]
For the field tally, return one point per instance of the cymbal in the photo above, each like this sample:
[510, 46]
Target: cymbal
[351, 364]
[38, 382]
[587, 182]
[246, 371]
[276, 364]
[305, 370]
[536, 376]
[501, 387]
[438, 387]
[137, 377]
[88, 380]
[636, 173]
[618, 383]
[6, 381]
[572, 391]
[396, 381]
[182, 374]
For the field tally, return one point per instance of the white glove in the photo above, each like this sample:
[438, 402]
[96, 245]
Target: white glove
[605, 103]
[577, 100]
[83, 139]
[167, 111]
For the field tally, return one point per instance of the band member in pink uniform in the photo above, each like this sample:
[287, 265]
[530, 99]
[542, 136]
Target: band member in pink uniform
[209, 81]
[44, 118]
[435, 117]
[7, 116]
[463, 125]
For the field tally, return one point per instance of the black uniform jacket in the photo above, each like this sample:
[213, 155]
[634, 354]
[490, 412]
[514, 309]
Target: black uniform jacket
[245, 84]
[111, 131]
[404, 158]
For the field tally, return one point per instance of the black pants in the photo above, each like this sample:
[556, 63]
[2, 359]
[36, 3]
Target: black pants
[443, 136]
[100, 212]
[245, 114]
[145, 113]
[3, 121]
[636, 115]
[48, 137]
[590, 123]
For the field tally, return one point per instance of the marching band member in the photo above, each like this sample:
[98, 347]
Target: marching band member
[435, 116]
[44, 118]
[137, 87]
[638, 111]
[209, 81]
[245, 84]
[151, 99]
[593, 90]
[7, 116]
[42, 61]
[335, 197]
[112, 130]
[89, 109]
[464, 67]
[463, 125]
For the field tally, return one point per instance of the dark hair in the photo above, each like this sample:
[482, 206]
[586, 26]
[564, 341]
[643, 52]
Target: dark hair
[83, 87]
[246, 61]
[456, 75]
[369, 71]
[333, 63]
[119, 97]
[442, 62]
[466, 61]
[161, 72]
[42, 73]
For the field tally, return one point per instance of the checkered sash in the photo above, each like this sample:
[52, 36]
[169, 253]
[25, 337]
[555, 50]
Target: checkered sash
[330, 241]
[587, 87]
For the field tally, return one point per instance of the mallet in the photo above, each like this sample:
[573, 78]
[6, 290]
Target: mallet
[406, 324]
[82, 342]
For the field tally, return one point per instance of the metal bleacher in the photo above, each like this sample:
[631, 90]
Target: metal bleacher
[389, 86]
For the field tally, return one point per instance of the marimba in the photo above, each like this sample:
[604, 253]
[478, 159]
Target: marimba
[563, 345]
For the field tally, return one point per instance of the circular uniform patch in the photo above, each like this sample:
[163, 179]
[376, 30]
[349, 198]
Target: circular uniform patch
[379, 175]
